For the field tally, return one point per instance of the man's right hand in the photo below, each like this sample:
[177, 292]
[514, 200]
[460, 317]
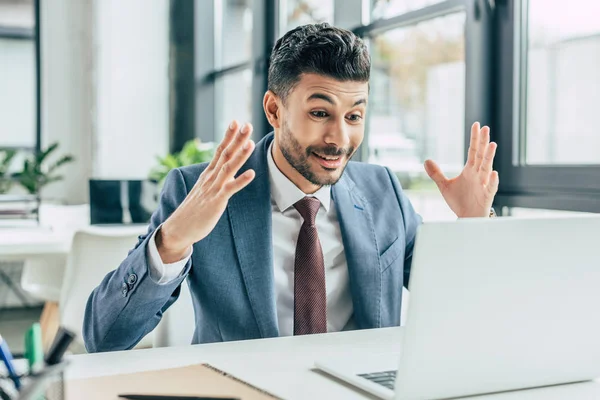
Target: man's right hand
[204, 205]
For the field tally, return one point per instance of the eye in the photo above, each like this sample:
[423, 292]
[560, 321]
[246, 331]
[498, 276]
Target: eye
[319, 114]
[354, 117]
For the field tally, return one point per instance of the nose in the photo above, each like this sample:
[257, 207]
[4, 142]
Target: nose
[338, 134]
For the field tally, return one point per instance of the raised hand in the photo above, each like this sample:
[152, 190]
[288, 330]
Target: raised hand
[204, 205]
[470, 194]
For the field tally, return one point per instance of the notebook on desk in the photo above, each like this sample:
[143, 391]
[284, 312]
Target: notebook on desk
[193, 380]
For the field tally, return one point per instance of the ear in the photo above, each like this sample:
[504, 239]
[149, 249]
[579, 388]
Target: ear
[271, 106]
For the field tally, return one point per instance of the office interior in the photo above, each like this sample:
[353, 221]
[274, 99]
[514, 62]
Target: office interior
[114, 94]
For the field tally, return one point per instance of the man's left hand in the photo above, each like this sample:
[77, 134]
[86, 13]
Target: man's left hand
[470, 194]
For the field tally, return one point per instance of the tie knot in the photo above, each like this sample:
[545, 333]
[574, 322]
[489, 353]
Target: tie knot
[308, 207]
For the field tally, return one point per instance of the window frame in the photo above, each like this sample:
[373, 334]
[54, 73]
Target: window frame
[559, 187]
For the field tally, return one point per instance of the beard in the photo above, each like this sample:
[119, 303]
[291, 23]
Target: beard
[298, 158]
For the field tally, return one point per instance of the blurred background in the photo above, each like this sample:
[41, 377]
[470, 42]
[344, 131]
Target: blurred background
[100, 97]
[117, 84]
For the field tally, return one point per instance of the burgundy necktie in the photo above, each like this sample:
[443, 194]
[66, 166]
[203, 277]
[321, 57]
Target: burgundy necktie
[310, 297]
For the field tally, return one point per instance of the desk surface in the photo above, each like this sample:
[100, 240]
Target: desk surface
[284, 365]
[18, 243]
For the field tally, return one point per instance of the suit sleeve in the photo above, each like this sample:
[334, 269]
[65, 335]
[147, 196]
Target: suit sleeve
[128, 303]
[411, 220]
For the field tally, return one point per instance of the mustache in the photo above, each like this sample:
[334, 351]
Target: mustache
[332, 151]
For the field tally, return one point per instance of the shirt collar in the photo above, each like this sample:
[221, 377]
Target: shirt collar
[285, 193]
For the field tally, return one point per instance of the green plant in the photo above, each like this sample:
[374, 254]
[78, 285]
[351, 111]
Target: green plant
[193, 152]
[6, 157]
[37, 173]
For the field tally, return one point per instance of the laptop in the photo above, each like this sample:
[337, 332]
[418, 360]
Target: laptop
[122, 202]
[495, 305]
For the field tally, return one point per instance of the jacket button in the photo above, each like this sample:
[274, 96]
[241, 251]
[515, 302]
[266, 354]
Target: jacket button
[124, 290]
[131, 279]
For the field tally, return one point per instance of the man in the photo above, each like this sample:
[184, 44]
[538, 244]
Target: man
[285, 237]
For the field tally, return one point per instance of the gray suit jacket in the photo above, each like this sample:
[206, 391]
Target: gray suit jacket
[230, 274]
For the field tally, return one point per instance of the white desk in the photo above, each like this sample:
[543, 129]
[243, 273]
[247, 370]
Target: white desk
[19, 243]
[283, 366]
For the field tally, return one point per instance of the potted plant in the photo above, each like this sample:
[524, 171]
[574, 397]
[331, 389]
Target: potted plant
[193, 152]
[6, 158]
[38, 172]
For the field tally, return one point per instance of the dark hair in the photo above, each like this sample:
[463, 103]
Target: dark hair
[320, 49]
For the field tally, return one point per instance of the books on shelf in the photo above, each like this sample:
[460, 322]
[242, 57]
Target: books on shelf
[19, 207]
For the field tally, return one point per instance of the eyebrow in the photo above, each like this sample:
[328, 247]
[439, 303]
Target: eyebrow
[322, 96]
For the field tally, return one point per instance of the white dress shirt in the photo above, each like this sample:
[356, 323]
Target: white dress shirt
[286, 228]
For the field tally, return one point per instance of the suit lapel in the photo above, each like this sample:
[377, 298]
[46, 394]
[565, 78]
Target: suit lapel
[251, 224]
[362, 254]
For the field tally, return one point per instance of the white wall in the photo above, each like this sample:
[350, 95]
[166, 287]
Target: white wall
[105, 89]
[132, 86]
[67, 92]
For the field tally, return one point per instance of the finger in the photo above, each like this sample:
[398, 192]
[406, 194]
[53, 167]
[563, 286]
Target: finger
[492, 186]
[484, 141]
[436, 174]
[234, 147]
[229, 135]
[488, 162]
[473, 144]
[238, 183]
[231, 167]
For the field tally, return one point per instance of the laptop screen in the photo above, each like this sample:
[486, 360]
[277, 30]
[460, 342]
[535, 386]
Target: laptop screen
[122, 201]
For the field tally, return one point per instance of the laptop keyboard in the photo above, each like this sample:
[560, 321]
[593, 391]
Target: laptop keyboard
[384, 378]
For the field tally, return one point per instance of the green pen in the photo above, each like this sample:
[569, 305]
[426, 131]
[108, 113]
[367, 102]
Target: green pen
[33, 348]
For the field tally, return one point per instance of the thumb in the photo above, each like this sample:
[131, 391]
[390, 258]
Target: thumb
[435, 173]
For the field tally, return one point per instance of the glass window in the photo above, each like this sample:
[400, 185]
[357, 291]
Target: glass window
[18, 14]
[563, 82]
[301, 12]
[235, 36]
[17, 75]
[417, 105]
[17, 103]
[234, 100]
[390, 8]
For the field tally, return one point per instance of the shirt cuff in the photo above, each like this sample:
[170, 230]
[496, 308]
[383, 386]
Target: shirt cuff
[160, 272]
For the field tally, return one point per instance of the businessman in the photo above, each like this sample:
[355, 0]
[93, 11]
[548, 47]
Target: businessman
[285, 236]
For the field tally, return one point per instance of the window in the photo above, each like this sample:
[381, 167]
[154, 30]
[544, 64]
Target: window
[563, 82]
[391, 8]
[301, 12]
[418, 105]
[547, 93]
[17, 75]
[17, 105]
[233, 100]
[234, 33]
[526, 68]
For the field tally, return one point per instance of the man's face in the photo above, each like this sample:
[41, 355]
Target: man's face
[322, 125]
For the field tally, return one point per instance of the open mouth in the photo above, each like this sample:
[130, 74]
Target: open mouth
[328, 161]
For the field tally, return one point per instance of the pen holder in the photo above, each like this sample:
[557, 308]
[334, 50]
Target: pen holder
[47, 384]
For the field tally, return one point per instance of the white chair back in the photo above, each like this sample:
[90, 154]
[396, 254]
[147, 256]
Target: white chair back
[95, 252]
[43, 275]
